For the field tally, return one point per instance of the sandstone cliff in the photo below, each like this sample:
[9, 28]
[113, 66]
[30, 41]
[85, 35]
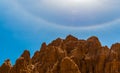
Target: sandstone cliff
[69, 55]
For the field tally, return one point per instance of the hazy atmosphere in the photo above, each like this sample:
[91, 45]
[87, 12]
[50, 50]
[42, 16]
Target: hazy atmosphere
[26, 24]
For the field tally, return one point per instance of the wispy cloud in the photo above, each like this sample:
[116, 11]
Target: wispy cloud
[62, 13]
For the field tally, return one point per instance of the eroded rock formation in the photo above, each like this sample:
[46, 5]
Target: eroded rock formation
[69, 55]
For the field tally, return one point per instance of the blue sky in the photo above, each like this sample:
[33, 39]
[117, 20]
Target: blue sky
[22, 27]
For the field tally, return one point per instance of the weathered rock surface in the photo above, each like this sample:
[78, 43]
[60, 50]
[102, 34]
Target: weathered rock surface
[23, 64]
[68, 66]
[69, 55]
[6, 67]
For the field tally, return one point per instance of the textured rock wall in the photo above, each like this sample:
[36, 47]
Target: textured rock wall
[69, 55]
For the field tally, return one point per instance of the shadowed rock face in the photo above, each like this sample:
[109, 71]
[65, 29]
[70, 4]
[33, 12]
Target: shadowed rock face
[69, 55]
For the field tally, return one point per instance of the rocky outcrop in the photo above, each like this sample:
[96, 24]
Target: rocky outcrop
[69, 55]
[68, 66]
[23, 64]
[6, 67]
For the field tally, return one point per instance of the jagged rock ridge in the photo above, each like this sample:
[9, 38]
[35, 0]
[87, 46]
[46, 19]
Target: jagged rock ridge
[69, 55]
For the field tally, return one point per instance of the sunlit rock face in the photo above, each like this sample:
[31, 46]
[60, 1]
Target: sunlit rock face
[74, 13]
[69, 55]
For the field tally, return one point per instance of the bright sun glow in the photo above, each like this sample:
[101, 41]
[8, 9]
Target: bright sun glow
[80, 1]
[73, 12]
[70, 4]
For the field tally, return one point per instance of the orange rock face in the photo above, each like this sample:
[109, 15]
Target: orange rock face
[69, 55]
[6, 67]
